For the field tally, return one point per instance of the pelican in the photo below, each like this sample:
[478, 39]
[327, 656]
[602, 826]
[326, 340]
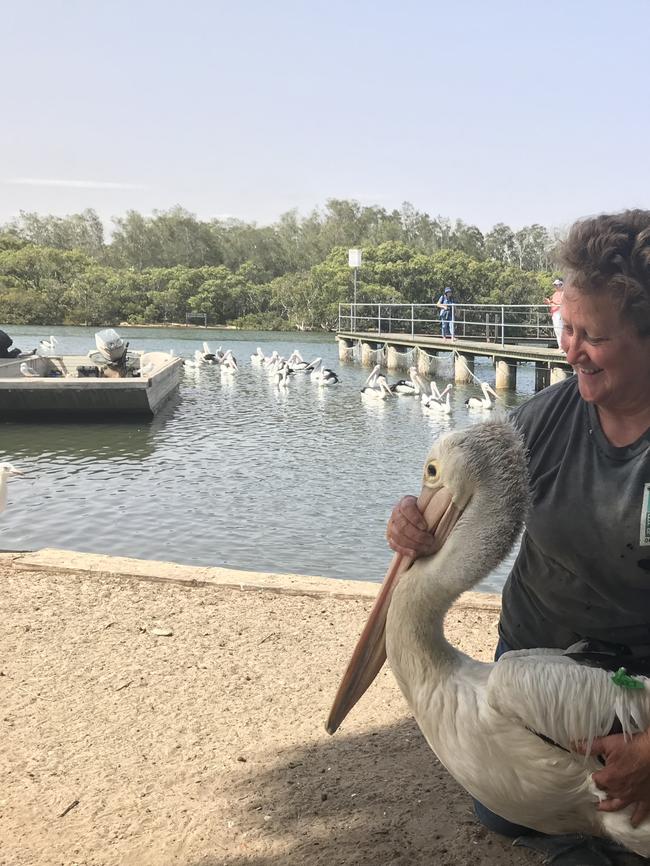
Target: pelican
[258, 357]
[272, 358]
[6, 470]
[210, 357]
[503, 730]
[412, 387]
[28, 371]
[48, 345]
[435, 403]
[322, 375]
[295, 358]
[281, 375]
[228, 362]
[327, 377]
[486, 402]
[146, 369]
[315, 368]
[436, 392]
[379, 391]
[196, 363]
[376, 387]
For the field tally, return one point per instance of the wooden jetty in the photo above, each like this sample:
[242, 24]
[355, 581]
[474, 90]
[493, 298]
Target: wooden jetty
[394, 351]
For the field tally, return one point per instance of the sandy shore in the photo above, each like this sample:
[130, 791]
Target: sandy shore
[123, 746]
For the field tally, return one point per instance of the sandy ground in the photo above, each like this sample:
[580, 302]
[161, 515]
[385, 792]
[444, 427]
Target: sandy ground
[120, 746]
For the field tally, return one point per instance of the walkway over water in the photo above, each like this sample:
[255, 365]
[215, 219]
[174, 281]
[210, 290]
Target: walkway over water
[507, 334]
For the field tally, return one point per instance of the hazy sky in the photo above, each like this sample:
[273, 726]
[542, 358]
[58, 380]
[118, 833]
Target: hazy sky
[490, 112]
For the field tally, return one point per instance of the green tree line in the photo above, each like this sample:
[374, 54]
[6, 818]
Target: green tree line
[291, 274]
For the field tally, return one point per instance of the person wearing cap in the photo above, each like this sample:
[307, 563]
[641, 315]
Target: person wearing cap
[554, 304]
[445, 305]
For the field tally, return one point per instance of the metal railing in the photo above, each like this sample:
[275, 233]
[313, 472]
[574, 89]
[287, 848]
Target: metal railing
[494, 323]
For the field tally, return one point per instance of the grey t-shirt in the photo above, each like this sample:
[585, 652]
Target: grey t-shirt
[583, 569]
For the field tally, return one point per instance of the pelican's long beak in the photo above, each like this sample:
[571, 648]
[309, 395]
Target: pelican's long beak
[369, 654]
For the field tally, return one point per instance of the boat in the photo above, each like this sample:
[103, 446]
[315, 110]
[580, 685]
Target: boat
[109, 382]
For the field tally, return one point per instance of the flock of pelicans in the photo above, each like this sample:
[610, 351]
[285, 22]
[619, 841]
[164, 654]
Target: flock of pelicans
[376, 386]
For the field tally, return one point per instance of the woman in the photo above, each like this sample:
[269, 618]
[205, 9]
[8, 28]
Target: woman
[583, 569]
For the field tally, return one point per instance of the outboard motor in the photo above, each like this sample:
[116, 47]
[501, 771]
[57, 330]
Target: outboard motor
[111, 346]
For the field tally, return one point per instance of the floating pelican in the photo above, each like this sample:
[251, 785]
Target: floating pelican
[258, 358]
[298, 365]
[322, 375]
[503, 730]
[377, 392]
[272, 359]
[48, 345]
[376, 387]
[315, 368]
[486, 402]
[412, 387]
[281, 375]
[210, 357]
[436, 393]
[6, 470]
[228, 362]
[196, 362]
[26, 370]
[327, 377]
[435, 403]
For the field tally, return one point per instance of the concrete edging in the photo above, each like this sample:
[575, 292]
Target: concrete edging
[55, 559]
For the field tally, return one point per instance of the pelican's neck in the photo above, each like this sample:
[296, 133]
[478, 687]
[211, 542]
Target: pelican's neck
[478, 542]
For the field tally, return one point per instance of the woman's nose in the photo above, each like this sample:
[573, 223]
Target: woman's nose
[570, 345]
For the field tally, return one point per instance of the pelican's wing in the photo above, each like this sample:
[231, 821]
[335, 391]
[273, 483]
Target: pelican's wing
[556, 696]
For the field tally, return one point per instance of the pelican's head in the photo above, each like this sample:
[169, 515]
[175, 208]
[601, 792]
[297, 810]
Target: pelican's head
[487, 459]
[485, 464]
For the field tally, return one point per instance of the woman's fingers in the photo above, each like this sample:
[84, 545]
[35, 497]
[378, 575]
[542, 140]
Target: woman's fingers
[406, 531]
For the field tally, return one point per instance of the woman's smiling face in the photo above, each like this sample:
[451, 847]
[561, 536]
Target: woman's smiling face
[610, 359]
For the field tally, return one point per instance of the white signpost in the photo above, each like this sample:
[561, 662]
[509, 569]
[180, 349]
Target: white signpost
[354, 261]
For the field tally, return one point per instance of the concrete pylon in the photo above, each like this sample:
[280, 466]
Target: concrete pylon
[427, 364]
[397, 358]
[463, 369]
[369, 355]
[541, 376]
[559, 374]
[346, 349]
[506, 375]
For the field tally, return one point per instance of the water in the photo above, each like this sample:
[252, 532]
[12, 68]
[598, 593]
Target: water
[232, 472]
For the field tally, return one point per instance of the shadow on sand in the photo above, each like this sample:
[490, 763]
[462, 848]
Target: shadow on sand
[377, 798]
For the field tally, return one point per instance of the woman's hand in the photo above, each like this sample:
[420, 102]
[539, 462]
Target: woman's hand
[625, 778]
[407, 531]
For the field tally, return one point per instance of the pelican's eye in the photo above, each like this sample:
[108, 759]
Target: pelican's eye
[432, 470]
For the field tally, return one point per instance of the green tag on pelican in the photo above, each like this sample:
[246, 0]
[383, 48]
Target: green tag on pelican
[622, 679]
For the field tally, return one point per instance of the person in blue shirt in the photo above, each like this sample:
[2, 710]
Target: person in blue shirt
[445, 305]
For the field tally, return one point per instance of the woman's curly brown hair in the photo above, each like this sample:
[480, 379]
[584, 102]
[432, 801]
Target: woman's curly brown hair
[611, 253]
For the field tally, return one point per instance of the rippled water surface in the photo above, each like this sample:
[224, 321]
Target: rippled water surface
[233, 471]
